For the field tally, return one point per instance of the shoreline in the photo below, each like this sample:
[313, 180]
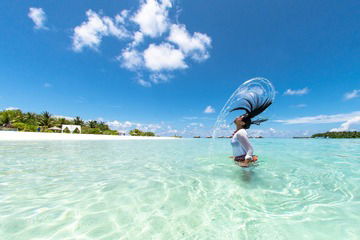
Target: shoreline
[41, 136]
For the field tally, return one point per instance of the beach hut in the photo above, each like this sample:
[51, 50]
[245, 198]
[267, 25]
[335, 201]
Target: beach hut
[55, 129]
[71, 128]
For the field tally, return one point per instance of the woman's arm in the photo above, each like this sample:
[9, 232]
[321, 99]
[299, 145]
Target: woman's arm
[243, 139]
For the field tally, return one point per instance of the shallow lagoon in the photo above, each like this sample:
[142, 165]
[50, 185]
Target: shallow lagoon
[179, 189]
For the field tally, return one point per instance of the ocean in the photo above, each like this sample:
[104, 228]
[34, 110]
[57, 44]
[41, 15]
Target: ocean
[179, 189]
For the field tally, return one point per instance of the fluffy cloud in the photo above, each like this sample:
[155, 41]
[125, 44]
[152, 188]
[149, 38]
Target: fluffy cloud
[272, 130]
[66, 117]
[152, 17]
[209, 109]
[162, 129]
[126, 126]
[38, 16]
[195, 129]
[353, 94]
[154, 78]
[346, 126]
[90, 33]
[143, 83]
[195, 46]
[138, 37]
[163, 57]
[159, 78]
[155, 45]
[131, 59]
[120, 125]
[322, 118]
[298, 92]
[11, 108]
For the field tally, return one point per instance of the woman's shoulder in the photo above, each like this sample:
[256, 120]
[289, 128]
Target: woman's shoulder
[241, 132]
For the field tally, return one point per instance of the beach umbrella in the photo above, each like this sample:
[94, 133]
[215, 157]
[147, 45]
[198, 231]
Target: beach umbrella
[55, 128]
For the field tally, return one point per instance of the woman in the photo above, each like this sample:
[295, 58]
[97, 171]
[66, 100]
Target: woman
[242, 149]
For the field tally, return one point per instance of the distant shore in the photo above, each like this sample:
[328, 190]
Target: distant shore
[39, 136]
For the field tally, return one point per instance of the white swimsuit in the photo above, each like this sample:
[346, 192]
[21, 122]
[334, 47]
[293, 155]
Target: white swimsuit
[241, 145]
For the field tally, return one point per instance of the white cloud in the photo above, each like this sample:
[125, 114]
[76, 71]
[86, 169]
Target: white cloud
[194, 46]
[161, 128]
[195, 129]
[346, 126]
[257, 132]
[163, 57]
[322, 118]
[38, 16]
[298, 92]
[144, 83]
[147, 127]
[353, 94]
[172, 131]
[209, 109]
[152, 17]
[11, 108]
[159, 78]
[120, 125]
[270, 132]
[138, 37]
[150, 49]
[131, 59]
[66, 117]
[90, 33]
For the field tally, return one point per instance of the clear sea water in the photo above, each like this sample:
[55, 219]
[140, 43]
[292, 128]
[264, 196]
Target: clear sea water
[179, 189]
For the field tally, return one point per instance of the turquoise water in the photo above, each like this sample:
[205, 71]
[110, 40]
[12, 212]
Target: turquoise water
[179, 189]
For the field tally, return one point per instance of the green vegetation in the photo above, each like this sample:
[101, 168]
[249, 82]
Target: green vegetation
[337, 135]
[137, 132]
[24, 127]
[32, 122]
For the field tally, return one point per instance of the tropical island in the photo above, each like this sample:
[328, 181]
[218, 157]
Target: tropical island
[16, 120]
[348, 134]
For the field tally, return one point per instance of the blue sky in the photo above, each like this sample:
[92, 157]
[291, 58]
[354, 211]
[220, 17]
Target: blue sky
[158, 65]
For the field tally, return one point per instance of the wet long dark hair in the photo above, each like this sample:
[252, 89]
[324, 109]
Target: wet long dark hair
[253, 105]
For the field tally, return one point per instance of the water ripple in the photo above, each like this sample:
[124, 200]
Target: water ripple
[176, 190]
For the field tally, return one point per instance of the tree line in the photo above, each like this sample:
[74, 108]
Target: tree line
[32, 122]
[137, 132]
[347, 134]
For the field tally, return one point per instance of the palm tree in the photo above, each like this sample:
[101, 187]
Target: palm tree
[17, 116]
[5, 119]
[30, 118]
[62, 121]
[46, 119]
[78, 121]
[8, 117]
[103, 126]
[92, 124]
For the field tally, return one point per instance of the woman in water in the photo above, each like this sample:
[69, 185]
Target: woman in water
[242, 149]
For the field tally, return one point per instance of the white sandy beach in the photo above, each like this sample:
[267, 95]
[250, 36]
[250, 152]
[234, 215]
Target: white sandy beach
[35, 136]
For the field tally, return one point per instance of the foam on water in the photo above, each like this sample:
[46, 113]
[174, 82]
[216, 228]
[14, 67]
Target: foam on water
[301, 189]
